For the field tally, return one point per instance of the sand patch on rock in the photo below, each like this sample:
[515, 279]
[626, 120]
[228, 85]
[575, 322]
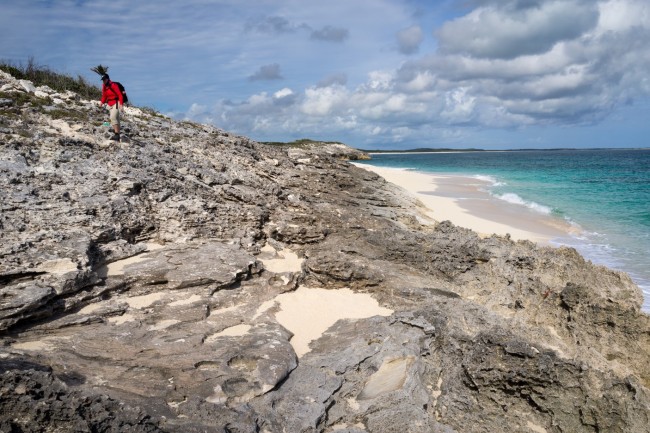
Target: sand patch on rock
[308, 312]
[119, 320]
[192, 299]
[89, 309]
[42, 345]
[280, 261]
[58, 266]
[145, 300]
[233, 331]
[117, 267]
[163, 324]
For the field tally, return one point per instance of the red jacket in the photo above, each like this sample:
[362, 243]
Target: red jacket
[111, 94]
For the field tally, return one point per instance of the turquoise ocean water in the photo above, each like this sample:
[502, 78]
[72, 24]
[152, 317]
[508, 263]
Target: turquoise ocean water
[603, 192]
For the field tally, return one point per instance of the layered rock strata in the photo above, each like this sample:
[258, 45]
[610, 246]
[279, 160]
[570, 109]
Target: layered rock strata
[191, 280]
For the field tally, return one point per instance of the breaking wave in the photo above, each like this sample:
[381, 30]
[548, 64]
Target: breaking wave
[515, 199]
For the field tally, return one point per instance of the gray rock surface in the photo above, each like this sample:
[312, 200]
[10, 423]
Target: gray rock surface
[139, 287]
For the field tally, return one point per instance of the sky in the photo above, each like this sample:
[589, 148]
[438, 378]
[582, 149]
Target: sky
[374, 74]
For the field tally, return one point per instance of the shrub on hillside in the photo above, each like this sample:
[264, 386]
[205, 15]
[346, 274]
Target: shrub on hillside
[43, 76]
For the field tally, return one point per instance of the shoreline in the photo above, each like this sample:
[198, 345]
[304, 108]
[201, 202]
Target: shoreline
[461, 200]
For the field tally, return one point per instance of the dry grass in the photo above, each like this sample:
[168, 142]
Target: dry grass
[44, 76]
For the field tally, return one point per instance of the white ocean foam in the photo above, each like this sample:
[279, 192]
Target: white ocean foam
[515, 199]
[645, 288]
[573, 223]
[489, 179]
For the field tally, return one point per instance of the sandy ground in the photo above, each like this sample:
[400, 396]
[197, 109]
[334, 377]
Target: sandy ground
[462, 201]
[309, 312]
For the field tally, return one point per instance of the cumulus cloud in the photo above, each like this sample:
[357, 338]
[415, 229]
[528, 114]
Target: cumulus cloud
[460, 106]
[536, 69]
[323, 101]
[285, 97]
[274, 25]
[267, 72]
[283, 93]
[330, 34]
[339, 78]
[506, 32]
[409, 40]
[279, 25]
[505, 64]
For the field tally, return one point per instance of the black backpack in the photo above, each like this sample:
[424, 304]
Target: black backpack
[121, 87]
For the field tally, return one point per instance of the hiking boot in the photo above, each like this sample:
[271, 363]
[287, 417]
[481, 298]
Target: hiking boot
[115, 137]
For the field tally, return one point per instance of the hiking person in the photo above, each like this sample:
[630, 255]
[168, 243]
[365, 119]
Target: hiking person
[113, 96]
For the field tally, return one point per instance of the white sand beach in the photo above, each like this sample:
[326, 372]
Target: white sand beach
[461, 200]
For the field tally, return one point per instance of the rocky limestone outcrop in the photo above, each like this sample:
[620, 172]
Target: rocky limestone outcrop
[147, 286]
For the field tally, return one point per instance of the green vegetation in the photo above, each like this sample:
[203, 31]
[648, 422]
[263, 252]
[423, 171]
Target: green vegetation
[151, 111]
[308, 141]
[68, 114]
[43, 76]
[299, 143]
[424, 150]
[191, 124]
[21, 99]
[38, 104]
